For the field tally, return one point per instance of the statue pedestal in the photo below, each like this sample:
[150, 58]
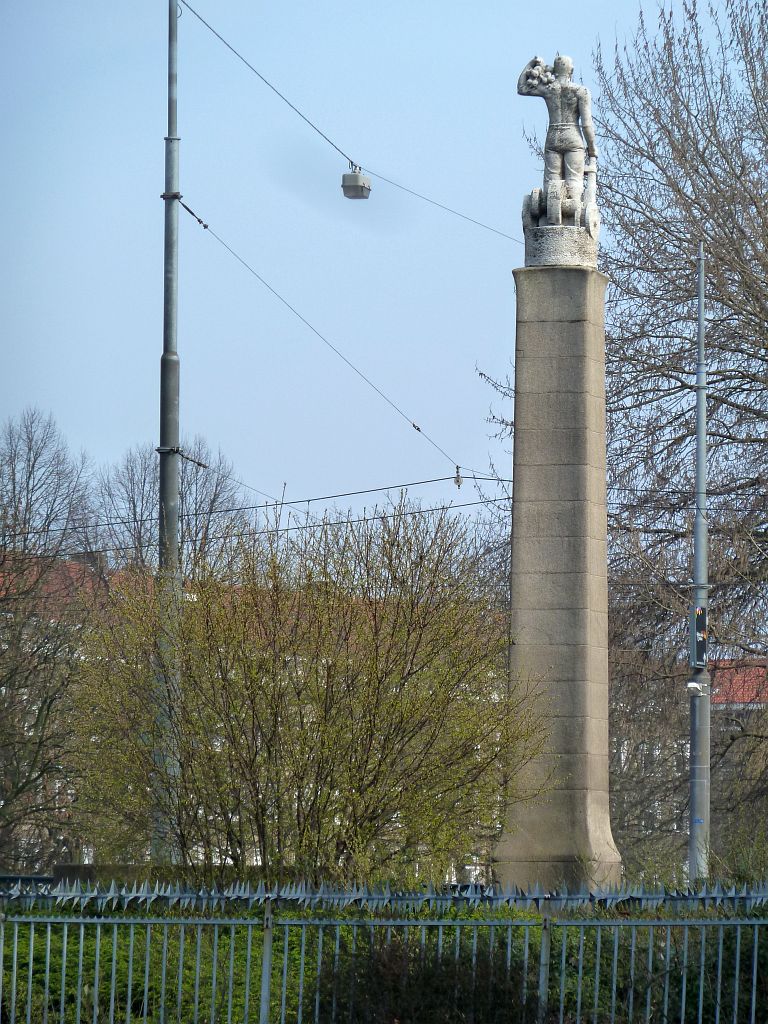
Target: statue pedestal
[559, 593]
[560, 245]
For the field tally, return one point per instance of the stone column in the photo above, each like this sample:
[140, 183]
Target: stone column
[559, 572]
[559, 589]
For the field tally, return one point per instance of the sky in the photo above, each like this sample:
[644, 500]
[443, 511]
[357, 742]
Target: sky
[421, 92]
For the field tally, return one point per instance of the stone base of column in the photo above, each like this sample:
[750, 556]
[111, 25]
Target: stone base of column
[558, 592]
[566, 841]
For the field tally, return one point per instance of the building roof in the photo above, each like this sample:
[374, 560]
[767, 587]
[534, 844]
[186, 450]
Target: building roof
[739, 683]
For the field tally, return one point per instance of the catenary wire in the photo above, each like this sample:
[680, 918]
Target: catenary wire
[614, 507]
[324, 524]
[325, 341]
[347, 157]
[392, 487]
[613, 503]
[142, 520]
[296, 502]
[266, 82]
[442, 206]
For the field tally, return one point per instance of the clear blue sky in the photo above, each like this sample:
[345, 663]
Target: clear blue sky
[422, 92]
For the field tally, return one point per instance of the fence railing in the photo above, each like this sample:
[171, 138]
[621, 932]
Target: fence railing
[29, 893]
[296, 957]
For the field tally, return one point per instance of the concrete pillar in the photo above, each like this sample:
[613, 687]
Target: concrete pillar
[559, 578]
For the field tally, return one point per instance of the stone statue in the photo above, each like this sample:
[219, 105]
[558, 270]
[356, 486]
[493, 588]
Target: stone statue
[569, 196]
[567, 105]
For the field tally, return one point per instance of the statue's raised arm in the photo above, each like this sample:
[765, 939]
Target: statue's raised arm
[534, 78]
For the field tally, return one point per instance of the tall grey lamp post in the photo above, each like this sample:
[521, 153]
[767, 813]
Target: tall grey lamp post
[699, 683]
[355, 185]
[170, 455]
[169, 363]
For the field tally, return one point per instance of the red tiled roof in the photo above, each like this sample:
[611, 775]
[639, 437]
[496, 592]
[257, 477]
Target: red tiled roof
[738, 682]
[51, 583]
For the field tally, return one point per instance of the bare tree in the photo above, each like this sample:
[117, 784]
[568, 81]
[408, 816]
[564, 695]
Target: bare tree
[684, 124]
[683, 119]
[683, 115]
[127, 497]
[45, 586]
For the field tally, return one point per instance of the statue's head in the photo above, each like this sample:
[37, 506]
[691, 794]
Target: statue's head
[563, 67]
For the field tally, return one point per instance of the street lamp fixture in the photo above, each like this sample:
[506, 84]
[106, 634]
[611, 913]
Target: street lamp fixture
[355, 184]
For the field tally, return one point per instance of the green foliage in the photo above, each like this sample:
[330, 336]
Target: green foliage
[335, 706]
[133, 955]
[662, 964]
[742, 853]
[362, 967]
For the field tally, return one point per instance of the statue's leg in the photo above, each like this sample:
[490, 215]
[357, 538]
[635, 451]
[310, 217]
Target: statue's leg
[574, 172]
[553, 168]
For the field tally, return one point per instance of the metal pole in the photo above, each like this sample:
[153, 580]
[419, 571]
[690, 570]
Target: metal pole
[169, 363]
[699, 684]
[266, 963]
[168, 450]
[544, 958]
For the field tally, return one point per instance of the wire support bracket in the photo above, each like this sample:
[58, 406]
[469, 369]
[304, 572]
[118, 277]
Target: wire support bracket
[183, 454]
[192, 213]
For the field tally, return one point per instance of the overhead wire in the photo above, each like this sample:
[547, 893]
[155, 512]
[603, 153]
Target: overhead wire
[442, 206]
[411, 422]
[324, 524]
[279, 502]
[266, 81]
[352, 162]
[477, 477]
[391, 487]
[614, 506]
[347, 521]
[613, 503]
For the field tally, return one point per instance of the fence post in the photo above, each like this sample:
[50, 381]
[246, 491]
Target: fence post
[543, 999]
[266, 963]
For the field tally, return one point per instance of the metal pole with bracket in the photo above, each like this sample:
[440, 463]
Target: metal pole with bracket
[170, 455]
[699, 682]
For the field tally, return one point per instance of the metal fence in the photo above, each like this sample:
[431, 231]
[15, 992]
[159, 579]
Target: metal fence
[309, 956]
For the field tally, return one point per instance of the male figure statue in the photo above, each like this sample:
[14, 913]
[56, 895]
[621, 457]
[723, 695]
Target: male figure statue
[568, 104]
